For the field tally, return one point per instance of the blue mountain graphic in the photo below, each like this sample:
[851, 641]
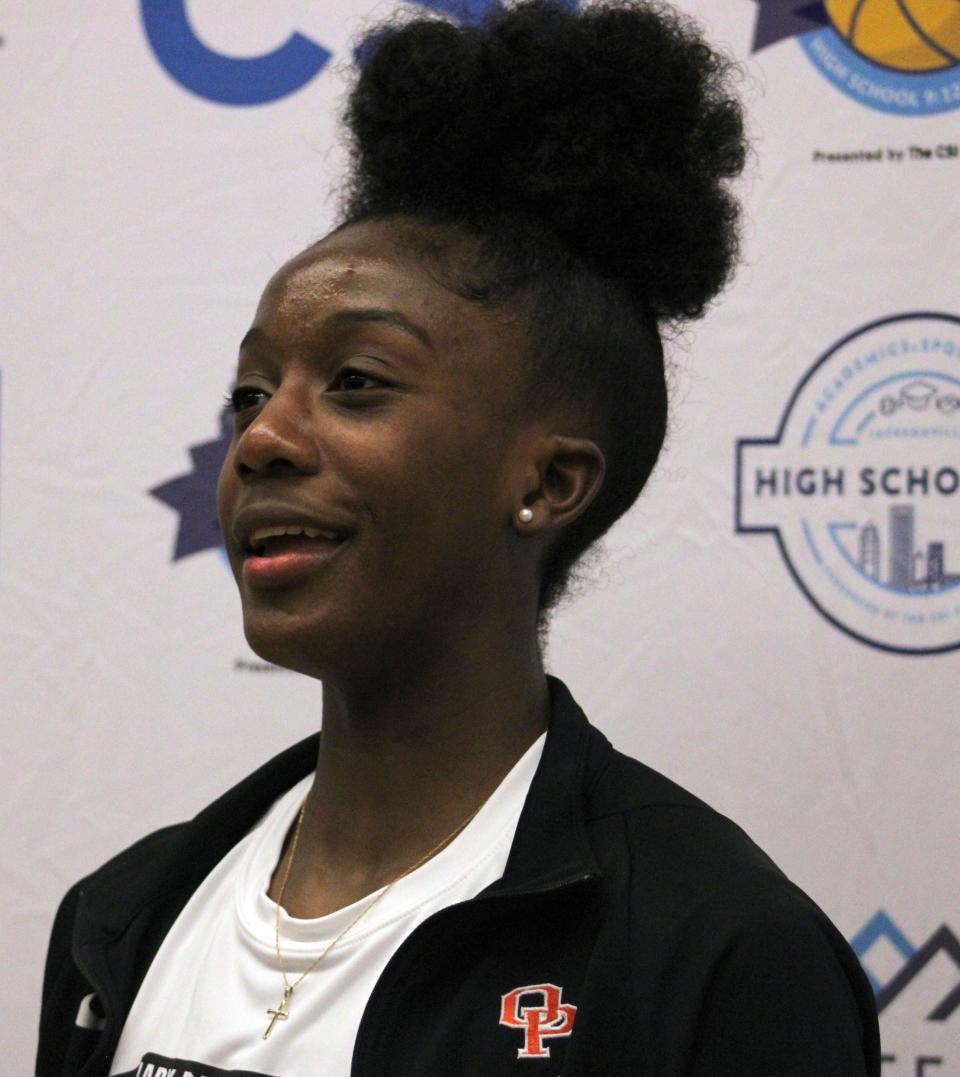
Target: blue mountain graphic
[942, 940]
[880, 926]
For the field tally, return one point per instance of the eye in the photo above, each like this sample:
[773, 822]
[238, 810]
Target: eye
[243, 397]
[350, 379]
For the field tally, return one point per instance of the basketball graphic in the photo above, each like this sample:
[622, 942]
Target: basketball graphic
[903, 35]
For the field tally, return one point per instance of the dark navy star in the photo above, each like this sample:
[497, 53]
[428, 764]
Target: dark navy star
[194, 494]
[778, 19]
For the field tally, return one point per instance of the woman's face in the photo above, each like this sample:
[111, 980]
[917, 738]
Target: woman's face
[375, 420]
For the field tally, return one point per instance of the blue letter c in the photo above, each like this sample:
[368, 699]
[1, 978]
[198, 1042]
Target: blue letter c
[227, 80]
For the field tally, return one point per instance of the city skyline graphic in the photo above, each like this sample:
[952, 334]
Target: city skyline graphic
[911, 568]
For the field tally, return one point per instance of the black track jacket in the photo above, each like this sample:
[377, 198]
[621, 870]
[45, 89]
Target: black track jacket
[635, 931]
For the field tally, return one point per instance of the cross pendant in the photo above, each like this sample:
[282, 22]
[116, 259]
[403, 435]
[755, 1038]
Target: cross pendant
[280, 1013]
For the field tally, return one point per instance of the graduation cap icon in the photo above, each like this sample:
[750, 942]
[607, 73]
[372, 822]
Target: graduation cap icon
[918, 394]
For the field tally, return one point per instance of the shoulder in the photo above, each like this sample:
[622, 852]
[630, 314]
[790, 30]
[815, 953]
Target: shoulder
[671, 835]
[167, 864]
[687, 861]
[719, 939]
[134, 897]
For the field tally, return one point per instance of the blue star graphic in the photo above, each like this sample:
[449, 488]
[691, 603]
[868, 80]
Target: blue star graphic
[778, 19]
[194, 494]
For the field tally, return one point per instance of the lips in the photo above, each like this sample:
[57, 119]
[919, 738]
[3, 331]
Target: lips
[289, 560]
[266, 541]
[282, 547]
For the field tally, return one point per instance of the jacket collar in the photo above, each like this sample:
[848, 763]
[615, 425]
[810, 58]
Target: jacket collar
[550, 847]
[171, 863]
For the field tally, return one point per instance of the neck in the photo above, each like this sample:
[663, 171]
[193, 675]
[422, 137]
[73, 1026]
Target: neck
[403, 761]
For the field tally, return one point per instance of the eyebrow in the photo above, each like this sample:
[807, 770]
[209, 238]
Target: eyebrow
[382, 316]
[353, 316]
[253, 337]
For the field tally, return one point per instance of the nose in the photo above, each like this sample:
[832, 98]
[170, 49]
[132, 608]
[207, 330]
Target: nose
[280, 438]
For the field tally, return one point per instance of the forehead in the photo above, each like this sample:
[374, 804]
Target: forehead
[372, 265]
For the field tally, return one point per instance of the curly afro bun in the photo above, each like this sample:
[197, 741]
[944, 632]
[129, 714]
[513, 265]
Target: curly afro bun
[585, 154]
[614, 124]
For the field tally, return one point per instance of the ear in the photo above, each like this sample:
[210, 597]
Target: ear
[569, 473]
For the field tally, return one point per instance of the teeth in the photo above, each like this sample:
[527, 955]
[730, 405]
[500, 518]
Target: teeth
[257, 537]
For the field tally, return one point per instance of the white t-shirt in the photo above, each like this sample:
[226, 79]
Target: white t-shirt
[202, 1007]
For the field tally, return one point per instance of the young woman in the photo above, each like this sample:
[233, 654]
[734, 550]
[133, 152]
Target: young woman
[439, 407]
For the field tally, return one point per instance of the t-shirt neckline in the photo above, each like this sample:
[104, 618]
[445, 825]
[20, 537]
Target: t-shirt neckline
[480, 839]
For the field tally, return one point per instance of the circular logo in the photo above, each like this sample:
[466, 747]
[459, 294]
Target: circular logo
[861, 486]
[898, 56]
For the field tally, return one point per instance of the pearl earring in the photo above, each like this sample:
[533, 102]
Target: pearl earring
[525, 515]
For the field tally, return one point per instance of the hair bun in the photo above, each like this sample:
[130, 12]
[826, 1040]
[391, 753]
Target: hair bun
[615, 125]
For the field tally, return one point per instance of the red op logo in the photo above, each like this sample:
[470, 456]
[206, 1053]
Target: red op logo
[537, 1010]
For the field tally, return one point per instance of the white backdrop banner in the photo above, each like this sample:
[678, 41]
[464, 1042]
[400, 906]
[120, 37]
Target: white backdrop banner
[776, 625]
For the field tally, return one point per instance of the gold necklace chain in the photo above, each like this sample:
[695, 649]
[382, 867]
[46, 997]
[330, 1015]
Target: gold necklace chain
[281, 1013]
